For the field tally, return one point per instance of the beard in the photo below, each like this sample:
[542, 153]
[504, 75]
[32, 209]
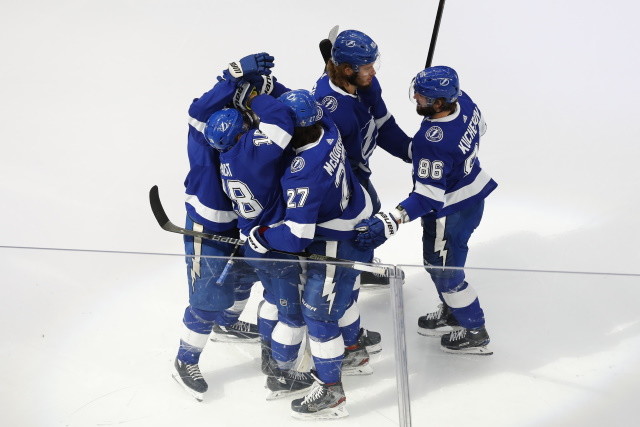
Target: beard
[426, 111]
[353, 79]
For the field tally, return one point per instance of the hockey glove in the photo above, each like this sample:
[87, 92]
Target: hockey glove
[374, 231]
[248, 89]
[256, 241]
[252, 65]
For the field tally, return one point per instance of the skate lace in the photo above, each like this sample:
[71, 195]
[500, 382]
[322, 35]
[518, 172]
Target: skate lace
[241, 326]
[458, 334]
[297, 375]
[436, 314]
[316, 393]
[194, 372]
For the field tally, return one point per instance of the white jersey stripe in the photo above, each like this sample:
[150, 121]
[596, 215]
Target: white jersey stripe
[197, 124]
[429, 191]
[302, 231]
[382, 120]
[275, 134]
[339, 224]
[468, 190]
[207, 213]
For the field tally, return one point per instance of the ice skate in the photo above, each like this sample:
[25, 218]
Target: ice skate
[189, 377]
[370, 280]
[323, 402]
[288, 383]
[371, 340]
[239, 332]
[466, 341]
[356, 362]
[438, 323]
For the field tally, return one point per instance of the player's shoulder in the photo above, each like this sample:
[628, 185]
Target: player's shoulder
[334, 99]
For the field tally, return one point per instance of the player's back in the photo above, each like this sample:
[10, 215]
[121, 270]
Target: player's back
[322, 190]
[252, 168]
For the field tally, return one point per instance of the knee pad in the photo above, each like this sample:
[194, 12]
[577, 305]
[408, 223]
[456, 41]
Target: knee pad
[287, 335]
[267, 310]
[329, 349]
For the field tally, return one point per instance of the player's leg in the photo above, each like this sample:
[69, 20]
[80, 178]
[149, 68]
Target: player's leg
[206, 301]
[228, 327]
[445, 244]
[356, 359]
[327, 295]
[287, 335]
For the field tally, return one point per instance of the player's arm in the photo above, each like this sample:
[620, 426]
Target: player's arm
[303, 200]
[276, 121]
[391, 138]
[431, 166]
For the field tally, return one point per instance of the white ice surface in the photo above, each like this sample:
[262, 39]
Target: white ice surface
[94, 98]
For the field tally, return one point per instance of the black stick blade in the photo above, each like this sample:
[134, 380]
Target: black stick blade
[156, 207]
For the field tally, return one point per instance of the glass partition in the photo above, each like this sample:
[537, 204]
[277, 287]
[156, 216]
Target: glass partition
[90, 338]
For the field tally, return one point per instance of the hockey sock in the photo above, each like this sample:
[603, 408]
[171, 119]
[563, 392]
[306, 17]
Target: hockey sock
[349, 325]
[285, 344]
[197, 325]
[267, 320]
[327, 349]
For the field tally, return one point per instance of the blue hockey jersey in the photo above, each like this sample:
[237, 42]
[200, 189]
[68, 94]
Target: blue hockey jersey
[364, 123]
[323, 197]
[446, 170]
[206, 202]
[252, 168]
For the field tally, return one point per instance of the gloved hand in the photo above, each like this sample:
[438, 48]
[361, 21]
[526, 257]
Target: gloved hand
[248, 89]
[256, 241]
[252, 66]
[374, 231]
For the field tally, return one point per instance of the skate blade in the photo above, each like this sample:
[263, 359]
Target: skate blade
[373, 349]
[481, 351]
[279, 394]
[339, 411]
[357, 370]
[437, 332]
[197, 395]
[232, 339]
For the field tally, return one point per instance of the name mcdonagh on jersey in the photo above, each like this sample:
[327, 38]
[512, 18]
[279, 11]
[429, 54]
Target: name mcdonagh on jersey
[470, 133]
[336, 156]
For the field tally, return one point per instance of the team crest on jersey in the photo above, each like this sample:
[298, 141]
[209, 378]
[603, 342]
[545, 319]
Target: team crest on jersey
[434, 134]
[330, 103]
[297, 164]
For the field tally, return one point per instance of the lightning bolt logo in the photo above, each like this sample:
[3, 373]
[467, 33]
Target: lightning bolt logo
[197, 251]
[441, 242]
[328, 290]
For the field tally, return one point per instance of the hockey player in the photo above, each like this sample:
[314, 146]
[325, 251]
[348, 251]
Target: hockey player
[209, 210]
[324, 201]
[252, 164]
[352, 94]
[448, 196]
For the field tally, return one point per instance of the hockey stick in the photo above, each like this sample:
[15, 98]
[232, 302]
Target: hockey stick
[166, 224]
[434, 35]
[327, 44]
